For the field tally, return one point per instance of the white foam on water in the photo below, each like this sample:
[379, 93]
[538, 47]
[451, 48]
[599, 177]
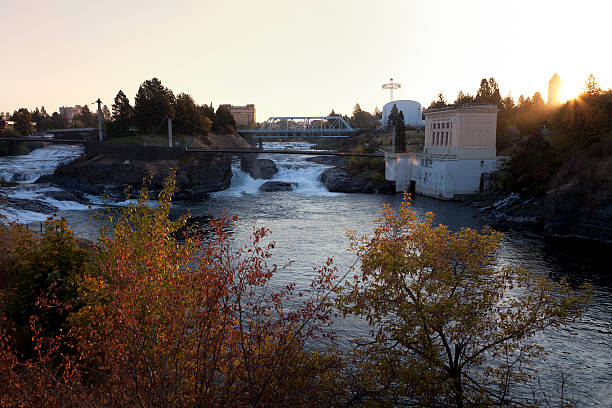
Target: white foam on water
[291, 169]
[28, 168]
[24, 216]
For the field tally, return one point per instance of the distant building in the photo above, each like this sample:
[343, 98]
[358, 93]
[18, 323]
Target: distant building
[554, 90]
[410, 109]
[459, 149]
[69, 111]
[243, 115]
[5, 124]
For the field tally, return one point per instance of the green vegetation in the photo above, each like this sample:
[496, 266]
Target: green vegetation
[144, 319]
[13, 148]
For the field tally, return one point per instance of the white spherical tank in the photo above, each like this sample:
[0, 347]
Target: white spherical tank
[413, 115]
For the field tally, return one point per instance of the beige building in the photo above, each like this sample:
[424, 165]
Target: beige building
[465, 131]
[243, 115]
[459, 153]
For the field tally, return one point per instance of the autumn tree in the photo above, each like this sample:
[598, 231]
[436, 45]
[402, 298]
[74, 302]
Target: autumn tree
[194, 322]
[447, 327]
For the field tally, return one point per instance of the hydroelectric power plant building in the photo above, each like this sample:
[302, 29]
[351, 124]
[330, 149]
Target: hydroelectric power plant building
[459, 153]
[411, 110]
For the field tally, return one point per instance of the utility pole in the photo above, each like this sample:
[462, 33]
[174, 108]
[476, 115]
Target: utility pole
[99, 102]
[169, 131]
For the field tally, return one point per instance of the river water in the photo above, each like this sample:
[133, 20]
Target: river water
[309, 225]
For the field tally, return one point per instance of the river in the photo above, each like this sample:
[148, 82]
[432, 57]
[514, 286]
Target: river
[309, 225]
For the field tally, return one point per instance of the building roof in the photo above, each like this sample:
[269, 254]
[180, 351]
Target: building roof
[464, 107]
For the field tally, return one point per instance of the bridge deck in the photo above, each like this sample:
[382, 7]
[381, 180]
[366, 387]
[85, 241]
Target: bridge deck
[287, 151]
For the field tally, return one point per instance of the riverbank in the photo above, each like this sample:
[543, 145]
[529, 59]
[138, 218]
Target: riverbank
[560, 215]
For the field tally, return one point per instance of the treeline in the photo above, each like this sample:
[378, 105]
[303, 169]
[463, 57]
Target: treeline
[152, 317]
[547, 143]
[154, 103]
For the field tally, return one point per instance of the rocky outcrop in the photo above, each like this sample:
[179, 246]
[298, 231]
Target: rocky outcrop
[196, 174]
[258, 168]
[271, 186]
[569, 214]
[338, 180]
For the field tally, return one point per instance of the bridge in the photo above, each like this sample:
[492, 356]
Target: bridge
[310, 152]
[300, 127]
[288, 151]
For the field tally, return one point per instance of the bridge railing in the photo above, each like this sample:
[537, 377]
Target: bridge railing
[303, 125]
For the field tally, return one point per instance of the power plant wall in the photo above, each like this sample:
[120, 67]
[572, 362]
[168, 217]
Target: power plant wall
[411, 110]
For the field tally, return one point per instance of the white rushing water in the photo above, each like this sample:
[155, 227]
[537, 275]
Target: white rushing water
[25, 170]
[291, 169]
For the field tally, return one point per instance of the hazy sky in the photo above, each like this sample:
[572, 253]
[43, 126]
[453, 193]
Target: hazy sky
[296, 57]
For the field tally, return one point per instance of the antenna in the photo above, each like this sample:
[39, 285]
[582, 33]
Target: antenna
[391, 86]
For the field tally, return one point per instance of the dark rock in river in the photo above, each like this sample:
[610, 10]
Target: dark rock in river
[31, 205]
[338, 180]
[277, 186]
[66, 195]
[258, 168]
[196, 174]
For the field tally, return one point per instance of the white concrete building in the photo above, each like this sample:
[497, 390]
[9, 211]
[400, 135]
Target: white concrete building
[411, 110]
[459, 148]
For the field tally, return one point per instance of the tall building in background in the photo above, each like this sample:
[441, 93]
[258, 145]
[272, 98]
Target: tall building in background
[243, 115]
[69, 111]
[554, 90]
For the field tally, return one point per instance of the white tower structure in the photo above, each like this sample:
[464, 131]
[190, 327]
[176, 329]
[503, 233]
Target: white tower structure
[391, 86]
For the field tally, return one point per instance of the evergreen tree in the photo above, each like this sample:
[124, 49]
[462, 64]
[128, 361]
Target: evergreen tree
[440, 102]
[591, 86]
[106, 115]
[123, 112]
[224, 121]
[463, 98]
[208, 111]
[508, 103]
[59, 121]
[85, 118]
[400, 133]
[189, 118]
[152, 104]
[23, 121]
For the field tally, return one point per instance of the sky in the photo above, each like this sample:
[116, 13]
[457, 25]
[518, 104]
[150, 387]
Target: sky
[301, 58]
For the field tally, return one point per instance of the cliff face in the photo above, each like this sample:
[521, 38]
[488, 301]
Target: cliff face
[98, 172]
[580, 205]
